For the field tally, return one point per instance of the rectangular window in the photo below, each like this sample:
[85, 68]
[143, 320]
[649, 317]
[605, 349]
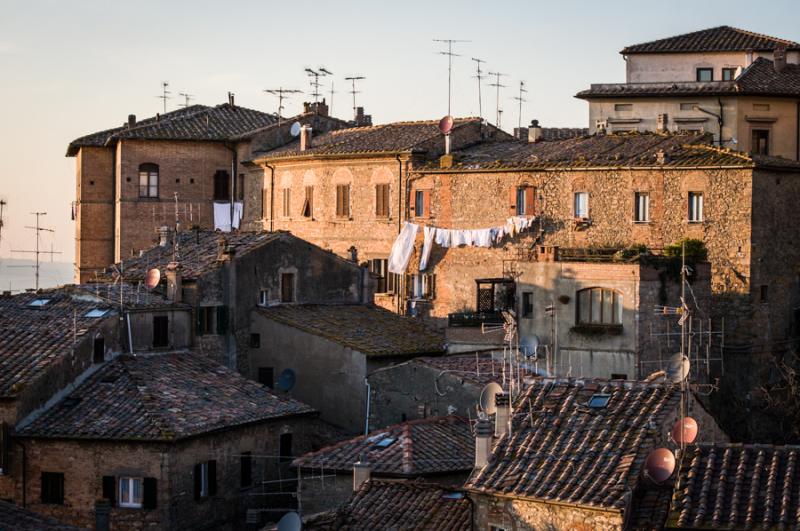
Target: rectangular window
[287, 202]
[688, 106]
[527, 305]
[764, 292]
[287, 287]
[759, 143]
[386, 281]
[382, 200]
[148, 180]
[308, 203]
[761, 106]
[695, 207]
[581, 204]
[53, 488]
[160, 331]
[728, 74]
[422, 203]
[342, 200]
[130, 492]
[525, 200]
[599, 306]
[421, 286]
[246, 469]
[266, 376]
[222, 186]
[285, 445]
[641, 212]
[255, 340]
[205, 479]
[623, 106]
[99, 350]
[705, 74]
[205, 320]
[263, 297]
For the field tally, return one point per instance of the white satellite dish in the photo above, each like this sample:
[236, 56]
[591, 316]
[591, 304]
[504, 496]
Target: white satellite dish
[529, 345]
[295, 129]
[290, 522]
[678, 368]
[488, 394]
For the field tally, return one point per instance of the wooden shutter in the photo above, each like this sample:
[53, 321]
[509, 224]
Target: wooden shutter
[413, 202]
[5, 448]
[198, 481]
[222, 320]
[512, 201]
[110, 489]
[150, 494]
[212, 478]
[432, 286]
[529, 200]
[426, 203]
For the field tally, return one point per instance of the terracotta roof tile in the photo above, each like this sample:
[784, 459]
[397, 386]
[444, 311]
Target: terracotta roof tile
[719, 39]
[159, 397]
[438, 445]
[480, 369]
[14, 518]
[367, 329]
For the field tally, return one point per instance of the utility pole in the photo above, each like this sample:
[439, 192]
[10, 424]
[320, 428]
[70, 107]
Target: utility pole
[186, 98]
[520, 99]
[281, 92]
[498, 86]
[479, 76]
[353, 91]
[449, 53]
[38, 228]
[165, 94]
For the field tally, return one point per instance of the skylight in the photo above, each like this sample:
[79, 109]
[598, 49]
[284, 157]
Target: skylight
[384, 443]
[599, 400]
[38, 303]
[97, 312]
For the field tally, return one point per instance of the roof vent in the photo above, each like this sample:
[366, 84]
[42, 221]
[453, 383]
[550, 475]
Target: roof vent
[230, 99]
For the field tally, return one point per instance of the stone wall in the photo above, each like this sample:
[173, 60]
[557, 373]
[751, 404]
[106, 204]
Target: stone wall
[522, 515]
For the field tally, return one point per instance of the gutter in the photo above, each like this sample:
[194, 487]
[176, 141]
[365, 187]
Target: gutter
[352, 155]
[589, 168]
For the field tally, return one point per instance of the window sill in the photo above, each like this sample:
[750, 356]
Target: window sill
[385, 294]
[597, 329]
[648, 222]
[698, 222]
[148, 198]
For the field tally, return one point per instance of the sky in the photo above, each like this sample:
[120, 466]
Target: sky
[71, 68]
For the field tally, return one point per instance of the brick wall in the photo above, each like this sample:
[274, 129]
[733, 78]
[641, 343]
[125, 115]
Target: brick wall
[94, 223]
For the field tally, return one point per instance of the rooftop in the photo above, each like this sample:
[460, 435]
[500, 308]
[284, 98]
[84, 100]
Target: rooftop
[131, 296]
[733, 486]
[480, 369]
[561, 450]
[36, 333]
[719, 39]
[370, 330]
[438, 445]
[159, 397]
[13, 517]
[406, 505]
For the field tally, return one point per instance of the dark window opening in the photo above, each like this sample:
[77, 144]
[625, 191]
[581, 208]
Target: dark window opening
[99, 350]
[618, 376]
[160, 331]
[205, 320]
[266, 376]
[422, 203]
[760, 142]
[764, 293]
[527, 305]
[222, 186]
[255, 340]
[705, 74]
[53, 488]
[285, 445]
[205, 479]
[148, 180]
[287, 287]
[246, 462]
[386, 281]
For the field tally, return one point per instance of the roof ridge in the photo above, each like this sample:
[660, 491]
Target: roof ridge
[719, 149]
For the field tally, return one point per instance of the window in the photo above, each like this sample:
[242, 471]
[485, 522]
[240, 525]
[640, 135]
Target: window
[148, 180]
[99, 353]
[386, 281]
[240, 187]
[599, 400]
[287, 287]
[525, 201]
[420, 286]
[285, 447]
[641, 211]
[623, 106]
[761, 106]
[581, 204]
[205, 320]
[130, 492]
[263, 297]
[38, 303]
[342, 200]
[382, 200]
[599, 306]
[688, 106]
[695, 207]
[728, 74]
[705, 74]
[422, 203]
[308, 203]
[266, 376]
[246, 469]
[759, 143]
[95, 313]
[255, 340]
[764, 293]
[205, 479]
[527, 305]
[53, 488]
[619, 376]
[222, 186]
[160, 331]
[287, 202]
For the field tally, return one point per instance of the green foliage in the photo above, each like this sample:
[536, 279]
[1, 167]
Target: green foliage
[695, 250]
[632, 253]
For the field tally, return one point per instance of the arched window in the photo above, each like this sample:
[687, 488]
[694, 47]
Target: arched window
[222, 186]
[148, 180]
[599, 306]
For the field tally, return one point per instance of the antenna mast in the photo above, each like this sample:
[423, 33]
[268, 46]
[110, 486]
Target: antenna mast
[2, 204]
[37, 252]
[479, 76]
[353, 91]
[186, 98]
[449, 53]
[165, 94]
[316, 74]
[281, 92]
[498, 86]
[520, 99]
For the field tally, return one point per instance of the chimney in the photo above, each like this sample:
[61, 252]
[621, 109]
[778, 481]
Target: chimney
[662, 123]
[483, 442]
[522, 133]
[662, 157]
[361, 473]
[174, 282]
[102, 515]
[230, 99]
[408, 463]
[131, 120]
[361, 118]
[305, 137]
[779, 58]
[534, 132]
[164, 236]
[503, 414]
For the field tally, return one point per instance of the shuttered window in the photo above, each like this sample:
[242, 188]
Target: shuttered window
[205, 479]
[343, 200]
[421, 286]
[386, 281]
[287, 202]
[308, 203]
[422, 203]
[599, 306]
[287, 287]
[130, 492]
[523, 203]
[382, 200]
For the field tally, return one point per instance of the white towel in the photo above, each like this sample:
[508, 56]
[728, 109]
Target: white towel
[483, 237]
[222, 216]
[402, 248]
[426, 247]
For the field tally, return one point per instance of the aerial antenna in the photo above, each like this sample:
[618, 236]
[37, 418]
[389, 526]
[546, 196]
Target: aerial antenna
[165, 94]
[38, 228]
[353, 91]
[281, 93]
[498, 86]
[186, 98]
[521, 99]
[2, 205]
[316, 74]
[449, 53]
[479, 76]
[330, 104]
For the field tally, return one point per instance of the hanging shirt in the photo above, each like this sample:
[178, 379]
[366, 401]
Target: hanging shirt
[430, 232]
[402, 248]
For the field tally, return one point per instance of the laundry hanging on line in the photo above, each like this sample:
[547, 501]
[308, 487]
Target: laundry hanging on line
[402, 248]
[222, 216]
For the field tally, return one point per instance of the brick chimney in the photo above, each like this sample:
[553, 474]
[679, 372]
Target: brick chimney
[503, 414]
[317, 107]
[779, 58]
[522, 133]
[305, 137]
[662, 123]
[408, 462]
[174, 282]
[483, 442]
[164, 236]
[535, 132]
[361, 473]
[361, 118]
[131, 120]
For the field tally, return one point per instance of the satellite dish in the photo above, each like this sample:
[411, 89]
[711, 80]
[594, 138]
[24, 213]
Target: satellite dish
[488, 394]
[152, 278]
[286, 380]
[290, 522]
[529, 345]
[678, 368]
[446, 125]
[685, 430]
[660, 465]
[294, 131]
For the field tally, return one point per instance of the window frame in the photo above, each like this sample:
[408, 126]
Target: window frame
[527, 305]
[130, 481]
[343, 210]
[383, 200]
[696, 207]
[421, 286]
[623, 107]
[288, 295]
[386, 281]
[525, 200]
[728, 70]
[575, 197]
[150, 172]
[699, 73]
[586, 295]
[308, 203]
[641, 215]
[53, 494]
[758, 131]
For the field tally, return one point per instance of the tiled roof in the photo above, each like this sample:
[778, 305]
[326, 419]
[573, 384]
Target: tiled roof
[719, 39]
[15, 518]
[398, 137]
[370, 330]
[610, 150]
[762, 78]
[399, 505]
[650, 507]
[33, 338]
[480, 369]
[561, 133]
[560, 450]
[436, 445]
[132, 296]
[160, 397]
[196, 122]
[731, 486]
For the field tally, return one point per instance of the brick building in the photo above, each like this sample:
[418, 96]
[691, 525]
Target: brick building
[171, 440]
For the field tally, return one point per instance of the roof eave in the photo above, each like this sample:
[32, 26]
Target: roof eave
[329, 156]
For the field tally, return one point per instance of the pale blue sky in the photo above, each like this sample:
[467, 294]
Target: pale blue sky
[71, 68]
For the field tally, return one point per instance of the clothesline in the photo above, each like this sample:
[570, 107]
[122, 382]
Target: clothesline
[404, 243]
[222, 216]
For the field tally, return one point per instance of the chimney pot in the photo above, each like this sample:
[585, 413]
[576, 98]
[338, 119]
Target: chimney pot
[305, 137]
[230, 99]
[131, 120]
[502, 415]
[779, 58]
[164, 236]
[361, 474]
[534, 132]
[483, 442]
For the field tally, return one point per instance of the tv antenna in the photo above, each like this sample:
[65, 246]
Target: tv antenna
[479, 76]
[165, 94]
[186, 99]
[330, 105]
[316, 74]
[353, 91]
[498, 86]
[2, 204]
[38, 228]
[521, 99]
[281, 93]
[449, 53]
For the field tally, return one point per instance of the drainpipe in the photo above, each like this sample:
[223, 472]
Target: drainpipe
[401, 193]
[130, 337]
[234, 166]
[24, 473]
[721, 121]
[369, 396]
[271, 198]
